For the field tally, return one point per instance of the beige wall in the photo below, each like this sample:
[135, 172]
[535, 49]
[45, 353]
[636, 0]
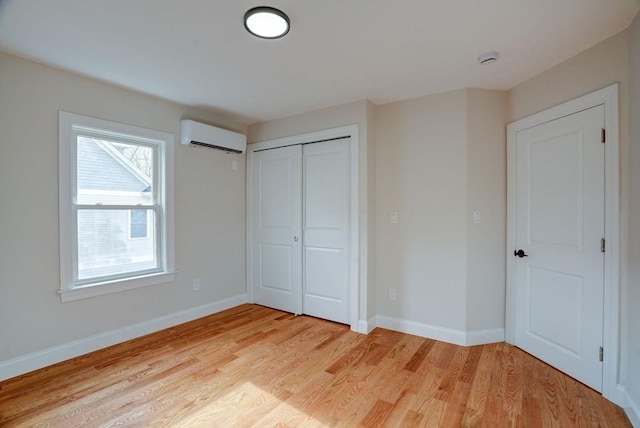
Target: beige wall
[487, 193]
[630, 358]
[439, 158]
[421, 172]
[332, 117]
[209, 211]
[372, 232]
[595, 68]
[353, 113]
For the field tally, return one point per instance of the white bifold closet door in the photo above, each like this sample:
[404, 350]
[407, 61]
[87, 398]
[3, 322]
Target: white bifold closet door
[300, 224]
[326, 230]
[277, 223]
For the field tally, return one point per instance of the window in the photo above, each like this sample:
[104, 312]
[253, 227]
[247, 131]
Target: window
[115, 207]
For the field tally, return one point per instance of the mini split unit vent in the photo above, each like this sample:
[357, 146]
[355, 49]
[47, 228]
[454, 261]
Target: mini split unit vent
[194, 133]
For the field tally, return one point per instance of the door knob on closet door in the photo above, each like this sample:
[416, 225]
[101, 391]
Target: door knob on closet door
[295, 239]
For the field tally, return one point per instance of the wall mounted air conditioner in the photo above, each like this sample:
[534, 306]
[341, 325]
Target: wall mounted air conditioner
[194, 133]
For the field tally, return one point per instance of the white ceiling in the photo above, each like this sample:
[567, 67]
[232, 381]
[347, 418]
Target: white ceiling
[197, 52]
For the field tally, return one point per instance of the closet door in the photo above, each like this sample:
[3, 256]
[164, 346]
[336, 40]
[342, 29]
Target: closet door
[277, 225]
[326, 230]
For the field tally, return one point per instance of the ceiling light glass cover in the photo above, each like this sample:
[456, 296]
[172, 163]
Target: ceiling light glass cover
[266, 22]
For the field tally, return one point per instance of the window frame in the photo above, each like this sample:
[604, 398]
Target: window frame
[69, 125]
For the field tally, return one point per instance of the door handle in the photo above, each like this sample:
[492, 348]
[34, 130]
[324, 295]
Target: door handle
[295, 239]
[520, 253]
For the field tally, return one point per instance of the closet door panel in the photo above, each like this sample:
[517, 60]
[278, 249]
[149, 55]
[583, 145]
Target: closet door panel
[326, 230]
[277, 224]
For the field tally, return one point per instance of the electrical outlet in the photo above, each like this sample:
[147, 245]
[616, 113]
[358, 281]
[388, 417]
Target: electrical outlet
[476, 217]
[392, 294]
[196, 284]
[394, 217]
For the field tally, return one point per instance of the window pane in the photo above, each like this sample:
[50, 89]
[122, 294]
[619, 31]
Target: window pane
[105, 247]
[138, 225]
[114, 173]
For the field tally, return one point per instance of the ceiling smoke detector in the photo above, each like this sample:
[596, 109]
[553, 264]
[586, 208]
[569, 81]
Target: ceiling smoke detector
[488, 58]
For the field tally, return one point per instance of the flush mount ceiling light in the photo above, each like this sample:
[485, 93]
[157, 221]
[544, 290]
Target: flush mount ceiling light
[488, 58]
[266, 22]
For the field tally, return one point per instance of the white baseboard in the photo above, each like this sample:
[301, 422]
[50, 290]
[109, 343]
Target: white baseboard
[361, 327]
[36, 360]
[632, 409]
[482, 337]
[617, 396]
[365, 327]
[443, 334]
[424, 330]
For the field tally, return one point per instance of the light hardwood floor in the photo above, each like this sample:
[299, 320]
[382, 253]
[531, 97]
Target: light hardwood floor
[254, 366]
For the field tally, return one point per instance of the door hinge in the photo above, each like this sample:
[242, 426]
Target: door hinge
[604, 135]
[602, 245]
[601, 354]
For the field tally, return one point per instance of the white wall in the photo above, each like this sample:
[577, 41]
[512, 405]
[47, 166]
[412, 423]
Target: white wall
[347, 114]
[209, 212]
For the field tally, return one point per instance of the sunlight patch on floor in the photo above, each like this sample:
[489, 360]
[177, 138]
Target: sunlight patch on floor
[245, 405]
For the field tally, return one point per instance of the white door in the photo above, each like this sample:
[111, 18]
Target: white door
[295, 189]
[276, 228]
[559, 226]
[326, 230]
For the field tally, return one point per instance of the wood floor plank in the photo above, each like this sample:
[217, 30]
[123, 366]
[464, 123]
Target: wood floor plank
[387, 380]
[356, 355]
[252, 366]
[448, 382]
[419, 356]
[470, 364]
[378, 414]
[348, 390]
[456, 406]
[296, 410]
[411, 419]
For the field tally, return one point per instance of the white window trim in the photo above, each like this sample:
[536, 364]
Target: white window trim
[68, 258]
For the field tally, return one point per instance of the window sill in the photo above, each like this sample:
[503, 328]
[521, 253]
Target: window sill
[99, 289]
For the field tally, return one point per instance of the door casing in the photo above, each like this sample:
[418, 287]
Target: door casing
[357, 292]
[608, 97]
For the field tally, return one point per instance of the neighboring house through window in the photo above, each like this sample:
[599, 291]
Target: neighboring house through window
[115, 206]
[138, 224]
